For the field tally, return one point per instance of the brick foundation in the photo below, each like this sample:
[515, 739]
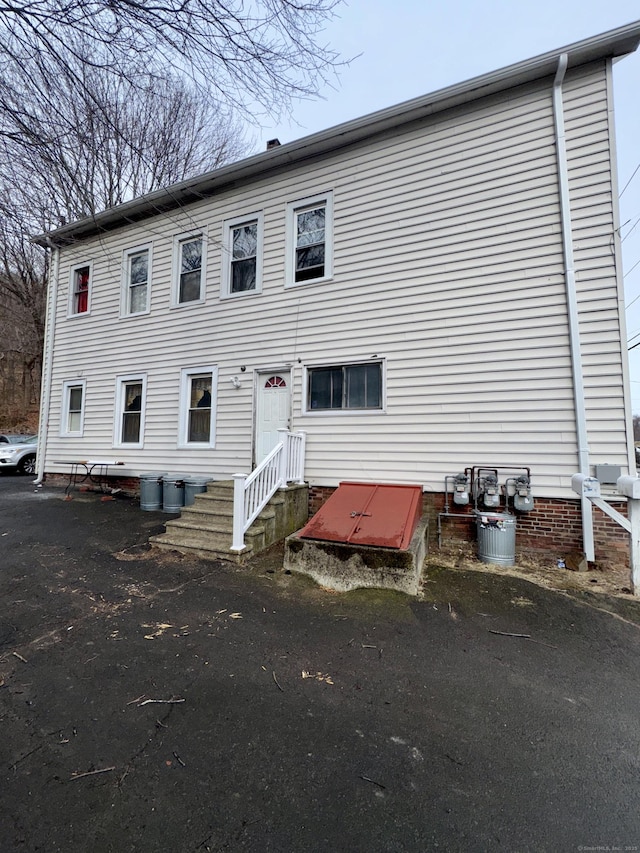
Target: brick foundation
[554, 526]
[130, 486]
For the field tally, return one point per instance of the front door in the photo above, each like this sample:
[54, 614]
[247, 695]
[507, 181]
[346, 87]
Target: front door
[272, 410]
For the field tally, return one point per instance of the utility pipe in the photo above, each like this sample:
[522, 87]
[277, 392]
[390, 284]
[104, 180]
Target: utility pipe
[47, 361]
[572, 303]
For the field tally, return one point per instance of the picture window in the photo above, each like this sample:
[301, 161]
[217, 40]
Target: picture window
[350, 386]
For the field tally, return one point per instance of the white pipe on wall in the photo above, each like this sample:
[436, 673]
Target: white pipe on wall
[47, 357]
[572, 303]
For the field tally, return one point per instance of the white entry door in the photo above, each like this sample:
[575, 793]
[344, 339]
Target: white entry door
[272, 410]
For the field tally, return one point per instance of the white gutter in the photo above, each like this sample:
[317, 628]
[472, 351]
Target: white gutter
[572, 304]
[614, 43]
[47, 361]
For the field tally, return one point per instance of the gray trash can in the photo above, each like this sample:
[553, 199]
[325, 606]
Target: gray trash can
[151, 491]
[496, 538]
[173, 492]
[194, 486]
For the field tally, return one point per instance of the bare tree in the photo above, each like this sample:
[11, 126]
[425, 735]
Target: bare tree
[71, 152]
[104, 100]
[114, 138]
[243, 54]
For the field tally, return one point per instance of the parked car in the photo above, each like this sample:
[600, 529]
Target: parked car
[12, 439]
[19, 454]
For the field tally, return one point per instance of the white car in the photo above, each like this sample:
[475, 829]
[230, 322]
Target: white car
[19, 454]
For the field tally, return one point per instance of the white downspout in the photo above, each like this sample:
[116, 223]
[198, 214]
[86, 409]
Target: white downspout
[47, 359]
[572, 303]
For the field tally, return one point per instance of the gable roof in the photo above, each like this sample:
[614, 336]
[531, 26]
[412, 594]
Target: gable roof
[612, 44]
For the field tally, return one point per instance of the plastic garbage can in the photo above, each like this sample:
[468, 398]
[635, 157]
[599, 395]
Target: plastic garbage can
[496, 538]
[151, 491]
[194, 486]
[173, 492]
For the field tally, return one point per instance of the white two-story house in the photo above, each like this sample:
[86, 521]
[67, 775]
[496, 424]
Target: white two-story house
[429, 288]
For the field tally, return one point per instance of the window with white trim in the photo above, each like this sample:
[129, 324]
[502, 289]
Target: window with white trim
[310, 240]
[198, 395]
[72, 415]
[242, 255]
[189, 264]
[80, 289]
[137, 280]
[131, 392]
[346, 386]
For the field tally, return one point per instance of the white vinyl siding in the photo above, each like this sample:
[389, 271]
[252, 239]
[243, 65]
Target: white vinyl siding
[447, 265]
[587, 111]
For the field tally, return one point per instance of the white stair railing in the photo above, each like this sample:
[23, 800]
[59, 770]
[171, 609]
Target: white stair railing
[252, 492]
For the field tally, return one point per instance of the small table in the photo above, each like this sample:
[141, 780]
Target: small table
[95, 470]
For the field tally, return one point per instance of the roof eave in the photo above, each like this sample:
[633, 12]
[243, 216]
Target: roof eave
[615, 43]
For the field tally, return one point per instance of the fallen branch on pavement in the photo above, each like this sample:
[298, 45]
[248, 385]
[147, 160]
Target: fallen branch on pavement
[160, 702]
[373, 782]
[91, 773]
[507, 634]
[523, 637]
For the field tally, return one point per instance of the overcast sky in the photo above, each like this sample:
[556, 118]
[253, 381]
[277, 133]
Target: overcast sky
[407, 48]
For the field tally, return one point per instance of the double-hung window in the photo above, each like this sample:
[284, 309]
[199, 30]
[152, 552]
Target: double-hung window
[242, 255]
[130, 411]
[189, 264]
[72, 415]
[310, 240]
[137, 280]
[80, 289]
[347, 386]
[198, 394]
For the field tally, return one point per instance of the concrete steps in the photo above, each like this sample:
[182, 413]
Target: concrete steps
[205, 529]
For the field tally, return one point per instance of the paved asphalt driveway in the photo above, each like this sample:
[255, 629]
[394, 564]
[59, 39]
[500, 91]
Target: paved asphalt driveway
[157, 703]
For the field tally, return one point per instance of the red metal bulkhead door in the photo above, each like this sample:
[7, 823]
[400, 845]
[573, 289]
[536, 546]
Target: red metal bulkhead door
[368, 514]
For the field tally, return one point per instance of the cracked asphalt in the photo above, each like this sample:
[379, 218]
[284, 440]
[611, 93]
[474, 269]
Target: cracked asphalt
[150, 702]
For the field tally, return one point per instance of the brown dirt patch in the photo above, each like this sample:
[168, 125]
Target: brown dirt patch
[537, 568]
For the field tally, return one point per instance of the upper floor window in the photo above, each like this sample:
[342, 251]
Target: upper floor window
[72, 415]
[137, 269]
[189, 260]
[242, 255]
[348, 386]
[197, 407]
[310, 240]
[130, 410]
[80, 289]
